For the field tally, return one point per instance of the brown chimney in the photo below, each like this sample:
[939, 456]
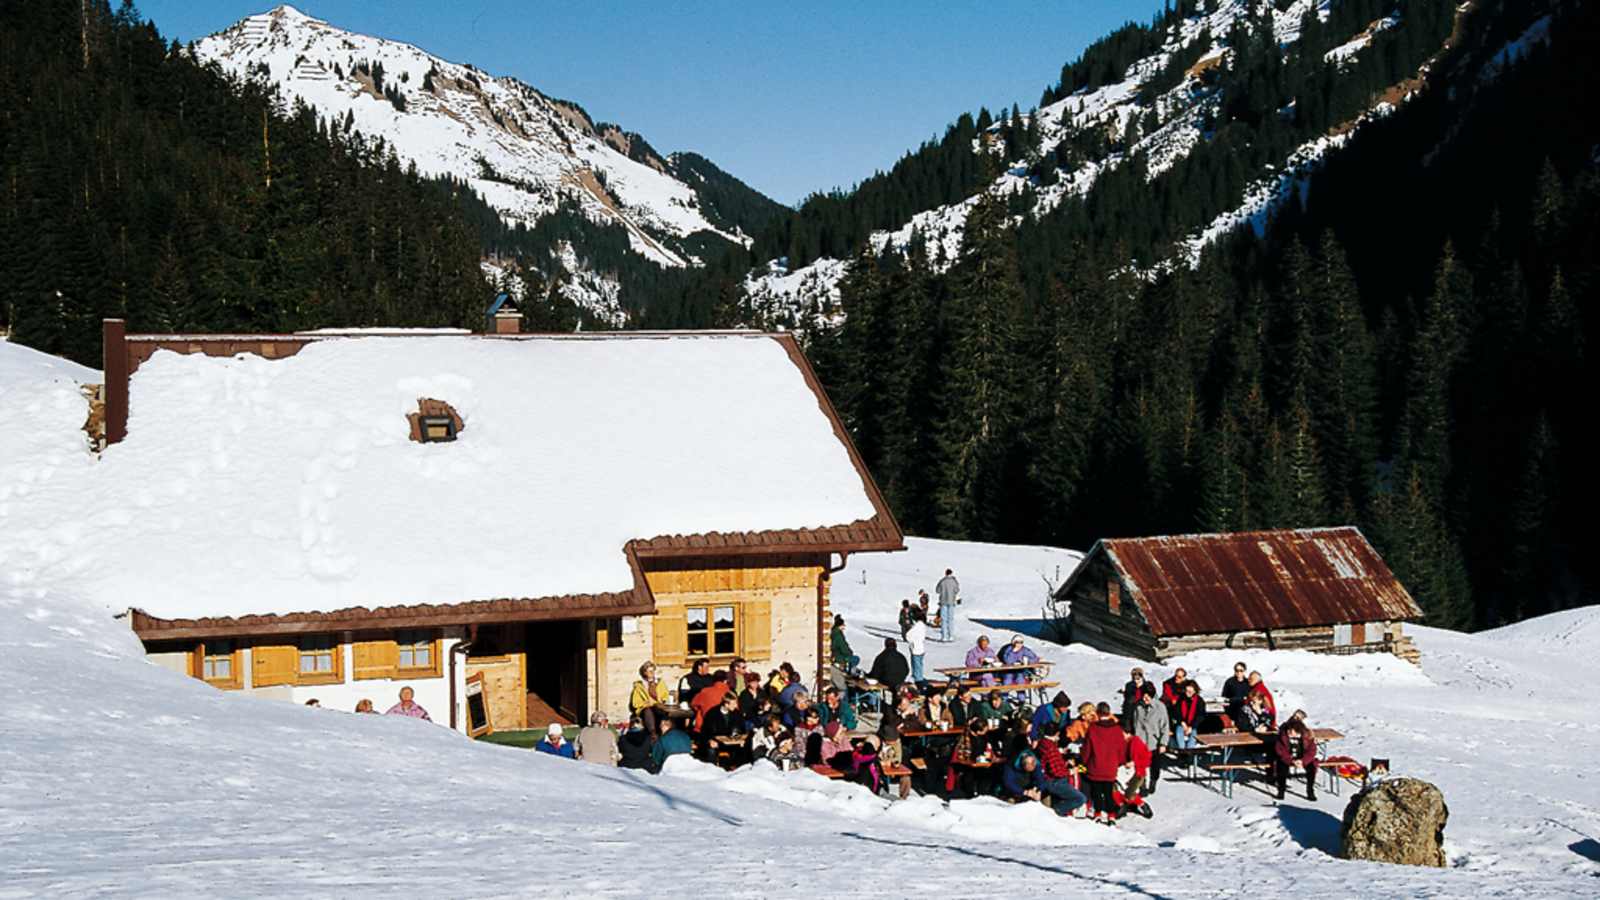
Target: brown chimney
[508, 320]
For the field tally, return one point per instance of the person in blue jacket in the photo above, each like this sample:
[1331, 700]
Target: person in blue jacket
[673, 741]
[1022, 778]
[1058, 710]
[555, 743]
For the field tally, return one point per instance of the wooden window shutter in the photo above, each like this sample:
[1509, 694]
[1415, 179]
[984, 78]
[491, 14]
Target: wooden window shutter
[670, 640]
[272, 665]
[372, 659]
[1114, 597]
[756, 629]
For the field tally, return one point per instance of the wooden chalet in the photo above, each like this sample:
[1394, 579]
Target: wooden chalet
[1322, 589]
[533, 562]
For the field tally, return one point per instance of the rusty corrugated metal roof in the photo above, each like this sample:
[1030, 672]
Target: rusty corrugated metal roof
[1254, 580]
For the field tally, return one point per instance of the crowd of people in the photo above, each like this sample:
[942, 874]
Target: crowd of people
[965, 737]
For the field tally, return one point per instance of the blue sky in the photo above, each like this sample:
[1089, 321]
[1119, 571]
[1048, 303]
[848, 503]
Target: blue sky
[792, 98]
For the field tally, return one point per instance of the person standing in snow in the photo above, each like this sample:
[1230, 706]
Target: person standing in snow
[1172, 692]
[917, 641]
[1234, 690]
[1132, 693]
[1191, 712]
[407, 707]
[949, 591]
[598, 742]
[905, 618]
[1150, 725]
[555, 743]
[1105, 751]
[889, 667]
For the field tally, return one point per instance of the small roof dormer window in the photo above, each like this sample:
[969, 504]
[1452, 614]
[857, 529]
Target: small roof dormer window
[434, 422]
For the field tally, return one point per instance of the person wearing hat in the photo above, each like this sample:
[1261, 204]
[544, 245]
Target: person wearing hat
[597, 743]
[1017, 653]
[555, 743]
[1058, 711]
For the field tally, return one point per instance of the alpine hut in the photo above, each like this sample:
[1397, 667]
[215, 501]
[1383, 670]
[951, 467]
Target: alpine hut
[1320, 589]
[522, 519]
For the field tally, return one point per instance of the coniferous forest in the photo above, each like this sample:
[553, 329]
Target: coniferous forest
[142, 185]
[1405, 348]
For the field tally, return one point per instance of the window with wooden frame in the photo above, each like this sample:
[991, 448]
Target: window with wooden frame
[434, 421]
[320, 661]
[722, 630]
[711, 630]
[220, 664]
[416, 655]
[409, 654]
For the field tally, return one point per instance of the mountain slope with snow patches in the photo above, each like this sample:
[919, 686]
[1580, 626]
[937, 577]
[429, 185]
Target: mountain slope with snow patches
[525, 153]
[1143, 117]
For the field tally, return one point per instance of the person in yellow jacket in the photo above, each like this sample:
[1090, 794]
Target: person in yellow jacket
[648, 693]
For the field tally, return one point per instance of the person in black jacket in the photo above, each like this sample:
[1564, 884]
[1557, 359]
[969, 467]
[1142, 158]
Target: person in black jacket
[634, 745]
[698, 679]
[890, 668]
[1131, 692]
[1235, 690]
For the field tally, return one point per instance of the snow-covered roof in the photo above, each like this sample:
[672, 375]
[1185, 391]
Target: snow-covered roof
[279, 486]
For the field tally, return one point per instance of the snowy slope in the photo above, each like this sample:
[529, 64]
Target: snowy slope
[1179, 123]
[125, 779]
[524, 152]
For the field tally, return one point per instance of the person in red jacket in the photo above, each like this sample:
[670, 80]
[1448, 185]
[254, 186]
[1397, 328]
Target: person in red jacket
[1296, 744]
[1129, 799]
[1105, 750]
[1257, 686]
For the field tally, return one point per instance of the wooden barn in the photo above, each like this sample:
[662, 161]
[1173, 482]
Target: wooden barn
[522, 519]
[1320, 589]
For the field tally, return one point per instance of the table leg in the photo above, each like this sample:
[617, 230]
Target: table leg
[1227, 773]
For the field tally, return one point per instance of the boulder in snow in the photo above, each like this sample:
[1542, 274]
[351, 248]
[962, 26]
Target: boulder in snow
[1397, 821]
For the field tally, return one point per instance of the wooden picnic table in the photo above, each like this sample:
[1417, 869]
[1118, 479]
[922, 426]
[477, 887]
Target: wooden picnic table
[1227, 741]
[673, 712]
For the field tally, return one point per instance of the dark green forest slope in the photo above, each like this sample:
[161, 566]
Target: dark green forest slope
[139, 184]
[1407, 350]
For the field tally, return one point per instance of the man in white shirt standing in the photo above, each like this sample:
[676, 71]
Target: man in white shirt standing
[949, 591]
[917, 638]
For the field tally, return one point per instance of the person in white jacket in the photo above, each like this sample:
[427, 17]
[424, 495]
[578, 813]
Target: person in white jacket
[917, 639]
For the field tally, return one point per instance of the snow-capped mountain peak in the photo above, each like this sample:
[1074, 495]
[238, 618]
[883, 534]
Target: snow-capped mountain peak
[526, 153]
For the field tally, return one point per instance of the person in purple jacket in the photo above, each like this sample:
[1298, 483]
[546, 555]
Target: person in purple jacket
[980, 655]
[406, 707]
[1017, 653]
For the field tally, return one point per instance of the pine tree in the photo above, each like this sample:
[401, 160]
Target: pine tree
[978, 428]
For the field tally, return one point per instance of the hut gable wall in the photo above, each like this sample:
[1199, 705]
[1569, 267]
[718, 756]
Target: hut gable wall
[777, 610]
[1124, 632]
